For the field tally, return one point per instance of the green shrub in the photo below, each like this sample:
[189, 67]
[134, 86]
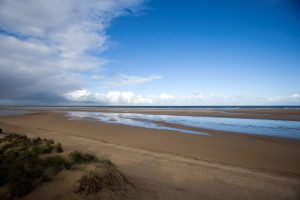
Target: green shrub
[46, 149]
[58, 148]
[36, 141]
[68, 165]
[25, 179]
[56, 162]
[78, 157]
[35, 150]
[49, 142]
[48, 173]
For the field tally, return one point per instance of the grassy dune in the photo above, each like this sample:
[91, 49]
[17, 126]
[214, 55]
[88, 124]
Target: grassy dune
[27, 163]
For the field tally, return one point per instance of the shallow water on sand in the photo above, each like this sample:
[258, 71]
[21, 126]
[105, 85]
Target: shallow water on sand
[127, 119]
[279, 128]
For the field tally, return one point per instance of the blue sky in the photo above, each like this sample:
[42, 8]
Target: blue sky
[159, 52]
[231, 48]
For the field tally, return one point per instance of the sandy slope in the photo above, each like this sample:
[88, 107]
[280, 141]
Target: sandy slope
[169, 165]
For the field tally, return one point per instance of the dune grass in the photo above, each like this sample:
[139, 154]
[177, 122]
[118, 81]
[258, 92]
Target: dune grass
[22, 168]
[78, 157]
[103, 175]
[26, 163]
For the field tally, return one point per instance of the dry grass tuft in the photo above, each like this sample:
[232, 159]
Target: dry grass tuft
[102, 175]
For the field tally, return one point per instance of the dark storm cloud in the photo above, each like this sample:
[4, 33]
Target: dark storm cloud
[44, 45]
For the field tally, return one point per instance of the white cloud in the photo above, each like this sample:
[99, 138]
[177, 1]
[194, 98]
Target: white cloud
[130, 98]
[295, 98]
[78, 95]
[49, 41]
[113, 97]
[126, 80]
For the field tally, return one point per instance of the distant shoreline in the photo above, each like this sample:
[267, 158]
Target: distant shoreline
[273, 113]
[155, 107]
[290, 114]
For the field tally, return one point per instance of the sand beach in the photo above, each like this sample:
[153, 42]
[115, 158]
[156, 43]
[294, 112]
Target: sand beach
[165, 164]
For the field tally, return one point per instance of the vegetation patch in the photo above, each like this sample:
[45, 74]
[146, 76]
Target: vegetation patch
[21, 165]
[100, 176]
[77, 157]
[26, 163]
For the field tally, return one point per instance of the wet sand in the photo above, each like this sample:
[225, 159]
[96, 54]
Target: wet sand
[171, 165]
[259, 113]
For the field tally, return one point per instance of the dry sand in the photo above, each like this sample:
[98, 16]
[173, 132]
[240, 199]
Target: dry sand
[170, 165]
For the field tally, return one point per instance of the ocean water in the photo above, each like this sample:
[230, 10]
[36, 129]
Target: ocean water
[90, 106]
[278, 128]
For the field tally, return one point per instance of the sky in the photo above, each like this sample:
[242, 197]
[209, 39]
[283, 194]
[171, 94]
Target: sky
[149, 52]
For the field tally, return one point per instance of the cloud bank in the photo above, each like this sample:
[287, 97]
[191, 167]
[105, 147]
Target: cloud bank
[50, 48]
[47, 46]
[131, 98]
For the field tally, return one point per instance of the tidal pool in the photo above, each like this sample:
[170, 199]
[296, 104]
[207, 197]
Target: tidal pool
[279, 128]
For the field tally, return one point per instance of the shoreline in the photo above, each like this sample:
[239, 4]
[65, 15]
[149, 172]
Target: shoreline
[257, 113]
